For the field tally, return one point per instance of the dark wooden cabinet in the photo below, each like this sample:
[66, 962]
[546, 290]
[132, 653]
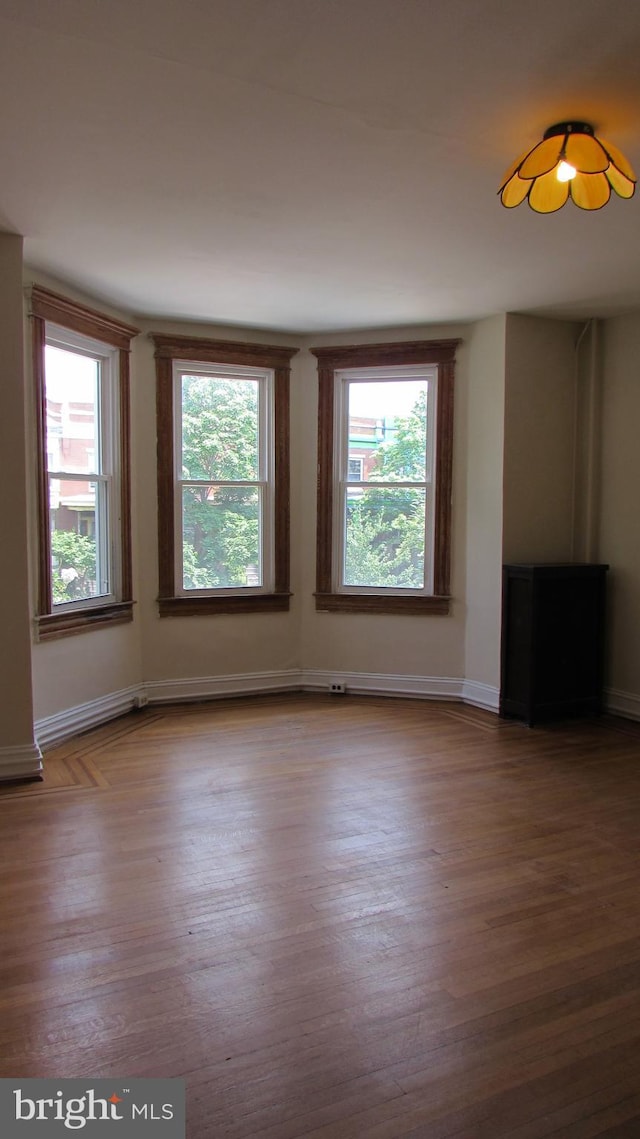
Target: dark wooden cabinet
[553, 622]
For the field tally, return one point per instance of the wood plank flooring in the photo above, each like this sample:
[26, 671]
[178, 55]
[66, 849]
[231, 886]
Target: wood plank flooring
[335, 917]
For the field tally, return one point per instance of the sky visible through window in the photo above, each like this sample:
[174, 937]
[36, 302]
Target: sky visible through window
[384, 399]
[70, 377]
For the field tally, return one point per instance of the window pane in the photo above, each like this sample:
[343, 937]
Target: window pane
[76, 562]
[385, 537]
[388, 430]
[73, 403]
[220, 427]
[221, 537]
[355, 470]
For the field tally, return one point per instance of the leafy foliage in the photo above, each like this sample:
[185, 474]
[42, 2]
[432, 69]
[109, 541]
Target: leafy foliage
[385, 527]
[403, 459]
[73, 558]
[219, 429]
[221, 528]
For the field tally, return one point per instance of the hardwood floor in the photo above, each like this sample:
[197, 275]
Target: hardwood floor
[335, 917]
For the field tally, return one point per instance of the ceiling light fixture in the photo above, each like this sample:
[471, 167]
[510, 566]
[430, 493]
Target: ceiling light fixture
[569, 162]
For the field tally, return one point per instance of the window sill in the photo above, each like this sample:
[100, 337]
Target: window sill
[397, 605]
[229, 604]
[67, 624]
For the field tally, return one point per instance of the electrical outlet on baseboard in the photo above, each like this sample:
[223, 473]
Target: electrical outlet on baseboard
[337, 687]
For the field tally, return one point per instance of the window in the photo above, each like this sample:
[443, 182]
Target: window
[223, 476]
[81, 371]
[354, 467]
[385, 437]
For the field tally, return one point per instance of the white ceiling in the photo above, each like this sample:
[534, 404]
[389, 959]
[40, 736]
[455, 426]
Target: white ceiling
[314, 164]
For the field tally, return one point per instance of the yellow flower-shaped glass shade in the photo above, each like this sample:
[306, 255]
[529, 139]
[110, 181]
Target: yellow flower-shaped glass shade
[599, 166]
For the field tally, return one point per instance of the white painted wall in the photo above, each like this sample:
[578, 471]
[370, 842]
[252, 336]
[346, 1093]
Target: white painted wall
[539, 439]
[588, 455]
[483, 444]
[619, 506]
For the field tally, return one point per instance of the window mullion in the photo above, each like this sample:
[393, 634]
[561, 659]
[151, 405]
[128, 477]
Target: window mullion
[102, 526]
[373, 484]
[222, 482]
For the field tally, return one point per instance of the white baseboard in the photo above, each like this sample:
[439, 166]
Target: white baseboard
[53, 729]
[625, 704]
[216, 687]
[382, 684]
[20, 762]
[481, 695]
[422, 687]
[23, 762]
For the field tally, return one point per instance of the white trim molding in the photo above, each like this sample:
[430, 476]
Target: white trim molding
[383, 684]
[26, 762]
[52, 730]
[217, 687]
[625, 704]
[481, 695]
[420, 687]
[20, 762]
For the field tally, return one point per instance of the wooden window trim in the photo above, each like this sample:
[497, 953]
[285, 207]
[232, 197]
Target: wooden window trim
[49, 306]
[338, 358]
[206, 351]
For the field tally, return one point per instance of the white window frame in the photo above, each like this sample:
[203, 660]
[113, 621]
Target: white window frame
[264, 483]
[342, 484]
[106, 476]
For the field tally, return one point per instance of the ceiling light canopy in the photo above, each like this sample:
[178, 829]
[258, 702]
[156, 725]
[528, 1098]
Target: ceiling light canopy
[569, 162]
